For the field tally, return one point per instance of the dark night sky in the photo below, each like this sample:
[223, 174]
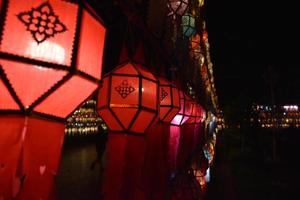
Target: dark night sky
[245, 39]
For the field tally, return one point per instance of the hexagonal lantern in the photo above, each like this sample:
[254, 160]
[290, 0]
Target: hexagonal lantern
[169, 100]
[185, 110]
[178, 7]
[45, 73]
[128, 98]
[44, 67]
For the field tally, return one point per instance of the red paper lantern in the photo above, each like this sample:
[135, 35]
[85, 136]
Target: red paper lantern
[128, 98]
[197, 114]
[44, 65]
[169, 100]
[185, 110]
[45, 72]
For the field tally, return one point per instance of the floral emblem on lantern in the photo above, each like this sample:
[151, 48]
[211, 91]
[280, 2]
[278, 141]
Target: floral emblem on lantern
[163, 94]
[42, 22]
[124, 89]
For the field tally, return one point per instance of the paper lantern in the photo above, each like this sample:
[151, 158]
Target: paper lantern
[178, 7]
[45, 73]
[185, 110]
[169, 100]
[197, 114]
[45, 67]
[188, 25]
[128, 98]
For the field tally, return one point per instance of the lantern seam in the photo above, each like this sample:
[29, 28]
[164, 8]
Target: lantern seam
[76, 38]
[11, 88]
[49, 91]
[3, 16]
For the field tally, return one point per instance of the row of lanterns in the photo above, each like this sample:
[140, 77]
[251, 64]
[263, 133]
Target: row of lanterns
[129, 99]
[47, 74]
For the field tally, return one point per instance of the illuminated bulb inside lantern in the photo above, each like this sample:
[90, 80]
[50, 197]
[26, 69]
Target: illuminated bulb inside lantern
[49, 51]
[143, 89]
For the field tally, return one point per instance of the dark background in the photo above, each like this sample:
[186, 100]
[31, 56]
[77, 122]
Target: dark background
[247, 38]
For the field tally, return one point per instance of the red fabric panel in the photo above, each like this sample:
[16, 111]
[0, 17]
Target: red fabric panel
[30, 81]
[56, 49]
[41, 157]
[11, 128]
[67, 97]
[155, 166]
[6, 100]
[92, 41]
[197, 135]
[173, 146]
[113, 173]
[186, 144]
[132, 188]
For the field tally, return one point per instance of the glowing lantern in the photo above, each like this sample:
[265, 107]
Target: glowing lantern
[169, 100]
[185, 110]
[188, 25]
[196, 114]
[45, 73]
[128, 98]
[178, 7]
[48, 72]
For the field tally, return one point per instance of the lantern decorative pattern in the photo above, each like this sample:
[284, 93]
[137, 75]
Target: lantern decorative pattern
[128, 98]
[177, 7]
[169, 100]
[188, 25]
[40, 73]
[185, 110]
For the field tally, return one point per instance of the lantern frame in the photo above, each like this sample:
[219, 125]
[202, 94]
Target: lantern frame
[180, 6]
[107, 105]
[173, 108]
[185, 110]
[72, 69]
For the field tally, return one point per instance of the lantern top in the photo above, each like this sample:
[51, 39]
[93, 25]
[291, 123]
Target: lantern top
[131, 68]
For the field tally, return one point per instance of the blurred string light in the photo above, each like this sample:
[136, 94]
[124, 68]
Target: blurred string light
[85, 121]
[276, 116]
